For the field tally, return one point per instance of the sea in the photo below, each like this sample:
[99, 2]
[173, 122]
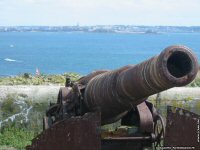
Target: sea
[82, 52]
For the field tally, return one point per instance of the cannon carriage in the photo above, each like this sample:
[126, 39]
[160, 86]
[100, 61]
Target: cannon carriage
[106, 97]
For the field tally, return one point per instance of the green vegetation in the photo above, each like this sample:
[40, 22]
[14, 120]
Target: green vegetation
[28, 79]
[4, 147]
[196, 82]
[45, 79]
[18, 126]
[16, 137]
[20, 130]
[8, 107]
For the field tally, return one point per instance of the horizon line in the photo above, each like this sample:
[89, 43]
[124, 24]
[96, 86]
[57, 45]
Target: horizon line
[97, 25]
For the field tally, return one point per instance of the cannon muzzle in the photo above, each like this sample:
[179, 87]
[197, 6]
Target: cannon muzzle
[115, 92]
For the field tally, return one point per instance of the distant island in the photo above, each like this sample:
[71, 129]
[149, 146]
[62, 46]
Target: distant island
[104, 29]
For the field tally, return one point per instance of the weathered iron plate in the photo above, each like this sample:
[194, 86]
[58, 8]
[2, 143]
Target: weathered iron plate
[182, 130]
[78, 133]
[125, 145]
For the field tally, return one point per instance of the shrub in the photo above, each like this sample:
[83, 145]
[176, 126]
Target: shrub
[16, 137]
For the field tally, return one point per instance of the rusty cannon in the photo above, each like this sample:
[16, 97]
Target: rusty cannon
[77, 121]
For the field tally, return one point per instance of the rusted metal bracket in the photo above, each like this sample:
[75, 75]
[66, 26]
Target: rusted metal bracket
[146, 119]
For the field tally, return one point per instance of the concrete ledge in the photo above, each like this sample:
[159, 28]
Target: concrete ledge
[45, 91]
[179, 93]
[30, 91]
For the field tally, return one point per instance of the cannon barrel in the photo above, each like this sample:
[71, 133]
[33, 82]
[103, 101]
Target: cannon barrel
[116, 92]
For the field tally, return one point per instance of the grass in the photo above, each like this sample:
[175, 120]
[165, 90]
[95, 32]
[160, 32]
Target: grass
[18, 134]
[16, 137]
[43, 79]
[4, 147]
[8, 107]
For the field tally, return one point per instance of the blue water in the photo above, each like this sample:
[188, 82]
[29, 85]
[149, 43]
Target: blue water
[59, 52]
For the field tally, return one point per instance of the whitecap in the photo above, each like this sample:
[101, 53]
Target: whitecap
[12, 60]
[8, 59]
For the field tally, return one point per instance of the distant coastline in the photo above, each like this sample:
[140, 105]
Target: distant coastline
[104, 29]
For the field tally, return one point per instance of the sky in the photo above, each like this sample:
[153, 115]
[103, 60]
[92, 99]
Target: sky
[99, 12]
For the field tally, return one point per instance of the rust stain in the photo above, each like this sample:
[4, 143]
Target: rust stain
[182, 129]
